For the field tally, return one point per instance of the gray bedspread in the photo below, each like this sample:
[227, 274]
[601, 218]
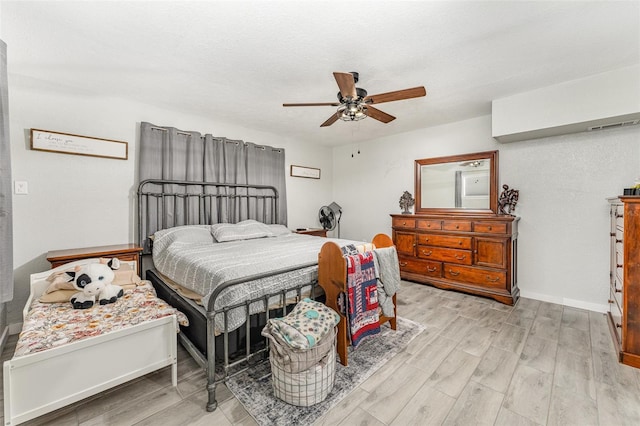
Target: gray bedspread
[190, 257]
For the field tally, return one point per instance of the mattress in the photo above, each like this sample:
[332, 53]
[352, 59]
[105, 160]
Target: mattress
[50, 325]
[190, 256]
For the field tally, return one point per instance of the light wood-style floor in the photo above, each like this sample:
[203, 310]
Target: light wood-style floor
[477, 362]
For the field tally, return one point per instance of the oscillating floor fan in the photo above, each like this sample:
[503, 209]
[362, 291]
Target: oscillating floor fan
[329, 217]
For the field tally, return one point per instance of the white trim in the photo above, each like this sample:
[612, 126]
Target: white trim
[596, 307]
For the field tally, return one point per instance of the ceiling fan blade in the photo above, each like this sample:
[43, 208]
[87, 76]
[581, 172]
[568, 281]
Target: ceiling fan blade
[346, 83]
[398, 95]
[313, 104]
[379, 115]
[330, 121]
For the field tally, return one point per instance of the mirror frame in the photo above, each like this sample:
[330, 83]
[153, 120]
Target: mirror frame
[493, 183]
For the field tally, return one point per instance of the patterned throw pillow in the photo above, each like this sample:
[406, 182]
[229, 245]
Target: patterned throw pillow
[306, 324]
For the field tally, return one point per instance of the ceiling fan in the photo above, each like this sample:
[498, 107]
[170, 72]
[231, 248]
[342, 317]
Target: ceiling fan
[354, 104]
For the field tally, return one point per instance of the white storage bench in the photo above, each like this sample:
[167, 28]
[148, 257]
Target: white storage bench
[40, 382]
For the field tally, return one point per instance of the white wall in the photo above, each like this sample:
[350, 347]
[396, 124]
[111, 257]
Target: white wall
[571, 106]
[563, 183]
[78, 201]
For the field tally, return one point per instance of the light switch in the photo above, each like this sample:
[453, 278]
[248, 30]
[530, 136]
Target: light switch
[20, 187]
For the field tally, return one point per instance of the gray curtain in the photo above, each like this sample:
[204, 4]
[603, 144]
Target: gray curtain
[169, 153]
[6, 213]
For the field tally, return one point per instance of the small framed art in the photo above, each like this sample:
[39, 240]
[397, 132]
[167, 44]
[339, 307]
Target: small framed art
[305, 172]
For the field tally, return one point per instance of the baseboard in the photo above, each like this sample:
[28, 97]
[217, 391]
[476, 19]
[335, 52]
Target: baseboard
[15, 328]
[572, 303]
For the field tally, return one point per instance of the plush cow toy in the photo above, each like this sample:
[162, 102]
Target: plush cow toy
[94, 283]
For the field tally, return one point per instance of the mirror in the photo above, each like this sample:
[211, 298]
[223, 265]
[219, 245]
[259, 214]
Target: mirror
[457, 184]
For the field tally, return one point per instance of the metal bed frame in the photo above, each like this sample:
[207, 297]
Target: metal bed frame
[168, 203]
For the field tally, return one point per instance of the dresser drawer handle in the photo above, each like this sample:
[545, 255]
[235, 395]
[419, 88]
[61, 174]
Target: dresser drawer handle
[490, 228]
[618, 325]
[618, 266]
[403, 264]
[618, 241]
[459, 243]
[426, 240]
[404, 223]
[460, 257]
[427, 253]
[432, 269]
[618, 290]
[428, 225]
[454, 273]
[493, 280]
[457, 226]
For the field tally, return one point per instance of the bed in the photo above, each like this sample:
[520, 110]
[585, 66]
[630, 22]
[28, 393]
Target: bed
[183, 225]
[85, 361]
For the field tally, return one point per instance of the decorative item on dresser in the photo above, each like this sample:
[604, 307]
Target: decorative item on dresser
[406, 201]
[624, 298]
[508, 200]
[456, 240]
[124, 253]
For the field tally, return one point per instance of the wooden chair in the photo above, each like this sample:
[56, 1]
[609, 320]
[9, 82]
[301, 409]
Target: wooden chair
[332, 277]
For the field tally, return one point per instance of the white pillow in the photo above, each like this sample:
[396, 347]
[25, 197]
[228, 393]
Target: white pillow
[245, 230]
[279, 230]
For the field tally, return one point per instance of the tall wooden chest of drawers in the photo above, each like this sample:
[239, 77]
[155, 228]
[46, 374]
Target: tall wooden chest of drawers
[471, 253]
[624, 297]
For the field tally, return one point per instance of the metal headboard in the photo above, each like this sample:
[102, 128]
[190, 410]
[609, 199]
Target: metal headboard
[165, 204]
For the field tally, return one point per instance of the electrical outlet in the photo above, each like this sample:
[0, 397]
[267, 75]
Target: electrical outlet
[20, 187]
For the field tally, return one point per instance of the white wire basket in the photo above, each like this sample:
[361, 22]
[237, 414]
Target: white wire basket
[303, 377]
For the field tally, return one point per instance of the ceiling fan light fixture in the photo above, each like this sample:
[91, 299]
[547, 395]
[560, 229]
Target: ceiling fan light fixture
[352, 112]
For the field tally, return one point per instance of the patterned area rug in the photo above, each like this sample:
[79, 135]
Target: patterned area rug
[255, 392]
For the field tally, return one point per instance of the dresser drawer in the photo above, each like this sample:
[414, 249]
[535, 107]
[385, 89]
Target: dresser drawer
[490, 227]
[445, 254]
[617, 295]
[476, 276]
[424, 267]
[456, 225]
[430, 224]
[619, 236]
[619, 257]
[619, 217]
[400, 222]
[616, 317]
[444, 241]
[618, 277]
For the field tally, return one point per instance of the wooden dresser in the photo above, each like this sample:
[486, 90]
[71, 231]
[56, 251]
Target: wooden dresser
[624, 298]
[470, 253]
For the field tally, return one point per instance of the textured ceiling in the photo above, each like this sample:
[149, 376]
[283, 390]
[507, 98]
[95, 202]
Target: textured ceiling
[239, 61]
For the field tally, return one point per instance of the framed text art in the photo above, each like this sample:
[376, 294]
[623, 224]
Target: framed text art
[66, 143]
[305, 172]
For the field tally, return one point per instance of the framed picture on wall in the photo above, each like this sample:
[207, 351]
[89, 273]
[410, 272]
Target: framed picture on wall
[67, 143]
[305, 172]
